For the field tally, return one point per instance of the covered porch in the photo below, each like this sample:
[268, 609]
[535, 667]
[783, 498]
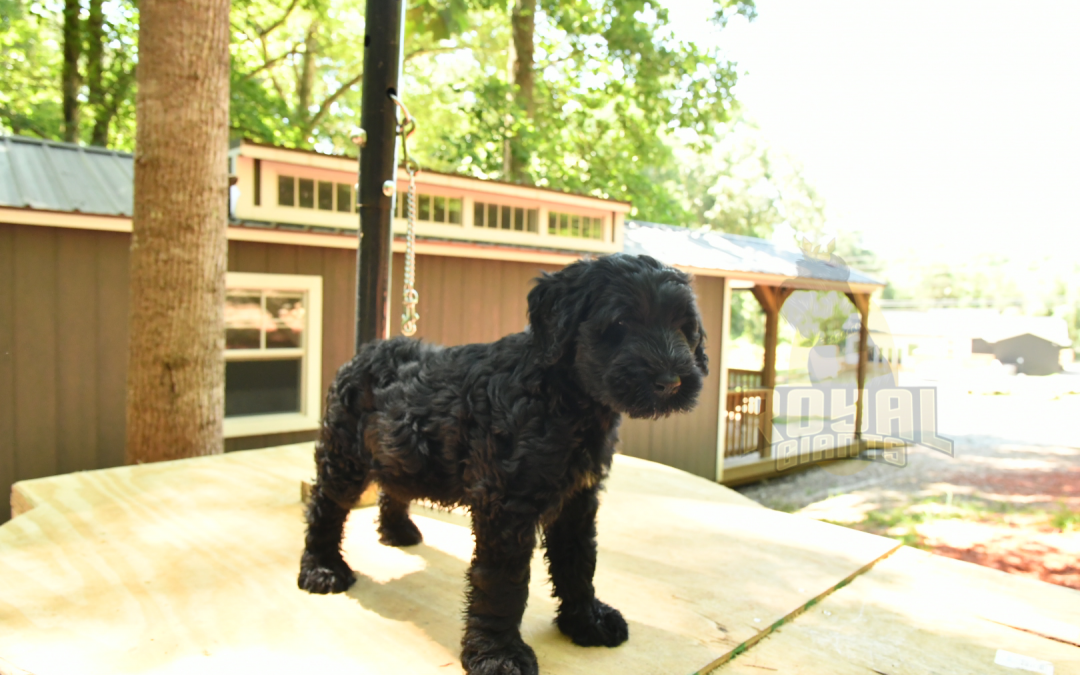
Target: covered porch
[731, 437]
[749, 435]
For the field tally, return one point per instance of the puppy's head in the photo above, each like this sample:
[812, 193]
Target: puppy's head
[630, 329]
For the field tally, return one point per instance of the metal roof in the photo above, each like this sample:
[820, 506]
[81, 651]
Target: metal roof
[66, 177]
[55, 176]
[706, 249]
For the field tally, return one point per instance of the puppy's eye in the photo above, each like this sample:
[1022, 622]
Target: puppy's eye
[615, 332]
[690, 330]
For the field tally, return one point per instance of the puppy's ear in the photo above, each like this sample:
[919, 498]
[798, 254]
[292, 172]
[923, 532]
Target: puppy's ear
[557, 304]
[700, 357]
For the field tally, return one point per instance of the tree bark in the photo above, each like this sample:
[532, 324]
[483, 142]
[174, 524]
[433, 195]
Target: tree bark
[523, 26]
[306, 84]
[95, 58]
[176, 376]
[70, 80]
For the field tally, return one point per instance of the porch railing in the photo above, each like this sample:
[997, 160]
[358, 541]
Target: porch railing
[746, 412]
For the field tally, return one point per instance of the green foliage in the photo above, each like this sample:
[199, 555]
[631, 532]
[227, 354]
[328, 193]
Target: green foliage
[747, 317]
[612, 86]
[1066, 520]
[30, 87]
[742, 185]
[297, 67]
[623, 108]
[29, 71]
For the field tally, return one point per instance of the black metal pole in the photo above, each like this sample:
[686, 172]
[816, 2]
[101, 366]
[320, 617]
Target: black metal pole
[384, 44]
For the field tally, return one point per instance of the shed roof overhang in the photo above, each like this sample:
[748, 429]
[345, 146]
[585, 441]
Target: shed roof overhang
[757, 261]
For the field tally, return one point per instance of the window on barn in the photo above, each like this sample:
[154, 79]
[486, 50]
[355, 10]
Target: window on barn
[575, 225]
[273, 353]
[308, 193]
[433, 208]
[501, 217]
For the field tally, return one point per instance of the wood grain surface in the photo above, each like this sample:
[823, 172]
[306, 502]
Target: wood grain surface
[917, 613]
[190, 566]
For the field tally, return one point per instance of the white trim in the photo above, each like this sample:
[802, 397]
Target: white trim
[259, 425]
[311, 379]
[348, 165]
[76, 221]
[20, 216]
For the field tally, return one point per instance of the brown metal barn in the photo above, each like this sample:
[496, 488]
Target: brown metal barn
[65, 223]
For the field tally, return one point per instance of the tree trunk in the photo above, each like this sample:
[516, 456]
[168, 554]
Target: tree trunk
[176, 375]
[306, 84]
[523, 25]
[95, 56]
[70, 81]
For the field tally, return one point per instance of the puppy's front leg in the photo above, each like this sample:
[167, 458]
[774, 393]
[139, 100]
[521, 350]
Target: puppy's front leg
[571, 555]
[498, 590]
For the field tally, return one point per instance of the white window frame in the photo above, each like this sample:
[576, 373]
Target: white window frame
[311, 369]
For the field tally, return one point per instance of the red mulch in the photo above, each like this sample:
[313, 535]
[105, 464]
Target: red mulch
[1023, 544]
[1043, 486]
[1019, 553]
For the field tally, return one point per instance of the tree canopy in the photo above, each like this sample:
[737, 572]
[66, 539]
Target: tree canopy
[600, 97]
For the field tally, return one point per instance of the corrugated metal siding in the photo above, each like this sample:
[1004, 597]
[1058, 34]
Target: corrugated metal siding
[64, 341]
[687, 442]
[63, 351]
[65, 177]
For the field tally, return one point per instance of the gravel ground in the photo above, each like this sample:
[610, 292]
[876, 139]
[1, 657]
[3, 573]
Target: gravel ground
[1023, 448]
[1009, 498]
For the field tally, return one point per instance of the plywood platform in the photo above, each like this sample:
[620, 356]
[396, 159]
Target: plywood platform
[191, 566]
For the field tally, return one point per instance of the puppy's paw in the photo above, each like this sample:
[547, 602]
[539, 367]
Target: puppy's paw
[593, 625]
[512, 658]
[400, 533]
[324, 576]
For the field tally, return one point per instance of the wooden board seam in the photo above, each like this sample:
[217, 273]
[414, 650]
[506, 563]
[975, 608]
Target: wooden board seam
[1041, 634]
[745, 646]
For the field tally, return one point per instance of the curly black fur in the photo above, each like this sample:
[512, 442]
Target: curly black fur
[521, 431]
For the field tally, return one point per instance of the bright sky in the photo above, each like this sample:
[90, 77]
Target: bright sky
[946, 128]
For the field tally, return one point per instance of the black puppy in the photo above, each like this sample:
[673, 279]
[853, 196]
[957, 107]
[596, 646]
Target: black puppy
[521, 431]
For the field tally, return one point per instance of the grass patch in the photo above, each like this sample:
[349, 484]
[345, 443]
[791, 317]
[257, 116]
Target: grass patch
[902, 522]
[1066, 520]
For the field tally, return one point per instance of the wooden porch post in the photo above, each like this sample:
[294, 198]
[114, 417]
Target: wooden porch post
[722, 371]
[771, 299]
[862, 303]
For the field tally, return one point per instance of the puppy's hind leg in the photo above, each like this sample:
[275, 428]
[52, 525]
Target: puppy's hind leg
[342, 465]
[396, 528]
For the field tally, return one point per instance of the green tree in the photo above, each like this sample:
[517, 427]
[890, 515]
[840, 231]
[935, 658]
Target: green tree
[296, 70]
[69, 74]
[29, 71]
[742, 185]
[580, 96]
[594, 109]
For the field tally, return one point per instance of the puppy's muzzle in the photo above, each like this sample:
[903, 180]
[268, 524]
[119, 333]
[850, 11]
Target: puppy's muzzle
[667, 385]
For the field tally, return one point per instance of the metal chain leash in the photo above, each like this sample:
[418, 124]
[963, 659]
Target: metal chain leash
[410, 298]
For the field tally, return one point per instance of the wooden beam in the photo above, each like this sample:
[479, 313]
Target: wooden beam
[721, 417]
[766, 297]
[862, 303]
[771, 299]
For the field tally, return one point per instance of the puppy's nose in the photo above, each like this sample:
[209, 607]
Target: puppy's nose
[667, 384]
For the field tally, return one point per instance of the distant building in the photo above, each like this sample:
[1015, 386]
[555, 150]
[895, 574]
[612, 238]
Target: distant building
[1033, 344]
[65, 231]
